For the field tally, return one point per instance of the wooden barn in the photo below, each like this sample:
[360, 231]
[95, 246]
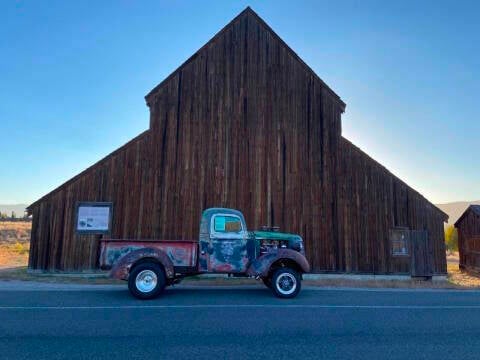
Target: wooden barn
[245, 123]
[468, 227]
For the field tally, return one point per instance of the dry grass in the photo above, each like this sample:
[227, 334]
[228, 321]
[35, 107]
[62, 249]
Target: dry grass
[462, 279]
[14, 243]
[459, 278]
[12, 232]
[13, 255]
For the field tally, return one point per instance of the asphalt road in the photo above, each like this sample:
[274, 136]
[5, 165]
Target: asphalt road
[239, 323]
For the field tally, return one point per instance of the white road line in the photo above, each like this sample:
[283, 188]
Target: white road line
[227, 306]
[6, 286]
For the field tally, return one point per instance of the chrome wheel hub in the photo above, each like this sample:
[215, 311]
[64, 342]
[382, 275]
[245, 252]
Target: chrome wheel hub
[146, 281]
[286, 283]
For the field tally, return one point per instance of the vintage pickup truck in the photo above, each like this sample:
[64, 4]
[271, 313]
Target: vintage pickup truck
[225, 246]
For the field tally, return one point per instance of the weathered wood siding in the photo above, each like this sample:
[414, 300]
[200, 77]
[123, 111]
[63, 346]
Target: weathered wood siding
[121, 177]
[371, 202]
[469, 240]
[245, 124]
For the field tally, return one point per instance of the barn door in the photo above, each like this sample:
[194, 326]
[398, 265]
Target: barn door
[420, 260]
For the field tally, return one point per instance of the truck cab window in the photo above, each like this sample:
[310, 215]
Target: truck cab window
[227, 224]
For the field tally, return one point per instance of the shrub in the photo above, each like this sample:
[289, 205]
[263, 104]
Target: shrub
[451, 238]
[20, 248]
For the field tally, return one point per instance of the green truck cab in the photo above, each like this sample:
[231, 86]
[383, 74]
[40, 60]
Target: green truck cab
[225, 246]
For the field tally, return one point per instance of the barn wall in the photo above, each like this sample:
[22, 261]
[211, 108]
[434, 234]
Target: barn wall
[469, 241]
[371, 201]
[125, 178]
[242, 124]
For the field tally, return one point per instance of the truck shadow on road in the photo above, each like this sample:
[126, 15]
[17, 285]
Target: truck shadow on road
[217, 295]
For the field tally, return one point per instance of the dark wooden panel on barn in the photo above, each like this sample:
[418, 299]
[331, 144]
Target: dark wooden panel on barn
[243, 123]
[421, 264]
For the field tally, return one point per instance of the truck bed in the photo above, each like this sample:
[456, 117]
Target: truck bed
[183, 253]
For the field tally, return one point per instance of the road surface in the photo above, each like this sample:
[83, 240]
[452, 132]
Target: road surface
[239, 323]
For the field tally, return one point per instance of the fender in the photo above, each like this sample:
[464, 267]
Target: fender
[121, 268]
[261, 266]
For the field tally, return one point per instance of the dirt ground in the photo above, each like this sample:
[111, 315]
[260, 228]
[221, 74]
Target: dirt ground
[461, 278]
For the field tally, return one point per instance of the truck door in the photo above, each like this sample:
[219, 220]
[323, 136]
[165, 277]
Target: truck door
[228, 240]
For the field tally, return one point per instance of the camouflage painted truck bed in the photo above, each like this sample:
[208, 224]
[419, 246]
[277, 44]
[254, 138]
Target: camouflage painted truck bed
[182, 253]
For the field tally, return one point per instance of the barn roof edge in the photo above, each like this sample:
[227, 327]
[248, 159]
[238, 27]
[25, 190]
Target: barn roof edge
[58, 188]
[471, 207]
[399, 179]
[246, 12]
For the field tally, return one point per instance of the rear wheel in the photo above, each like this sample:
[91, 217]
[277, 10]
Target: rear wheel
[146, 280]
[286, 283]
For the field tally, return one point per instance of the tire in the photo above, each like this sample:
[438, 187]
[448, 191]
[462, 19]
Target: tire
[267, 282]
[286, 283]
[146, 280]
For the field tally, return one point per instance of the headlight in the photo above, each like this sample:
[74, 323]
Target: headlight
[298, 245]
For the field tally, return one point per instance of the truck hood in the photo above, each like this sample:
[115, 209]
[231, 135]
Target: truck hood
[275, 235]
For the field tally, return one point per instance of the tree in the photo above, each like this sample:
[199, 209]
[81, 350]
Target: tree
[13, 215]
[451, 238]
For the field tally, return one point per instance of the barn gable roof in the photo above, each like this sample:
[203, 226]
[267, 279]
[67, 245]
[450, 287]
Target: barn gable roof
[150, 97]
[474, 208]
[248, 12]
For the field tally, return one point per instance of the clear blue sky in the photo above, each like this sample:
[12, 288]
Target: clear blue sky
[73, 75]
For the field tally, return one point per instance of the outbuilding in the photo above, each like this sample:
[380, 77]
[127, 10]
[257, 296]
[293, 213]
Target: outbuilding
[244, 123]
[468, 227]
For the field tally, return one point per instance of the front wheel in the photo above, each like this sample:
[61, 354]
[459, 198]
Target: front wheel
[146, 280]
[286, 283]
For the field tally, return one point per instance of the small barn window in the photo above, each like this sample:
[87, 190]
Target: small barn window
[399, 241]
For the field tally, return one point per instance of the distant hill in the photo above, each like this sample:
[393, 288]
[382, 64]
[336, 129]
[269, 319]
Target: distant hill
[19, 209]
[456, 209]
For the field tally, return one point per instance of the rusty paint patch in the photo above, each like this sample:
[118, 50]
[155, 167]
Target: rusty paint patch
[261, 266]
[228, 256]
[122, 268]
[181, 253]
